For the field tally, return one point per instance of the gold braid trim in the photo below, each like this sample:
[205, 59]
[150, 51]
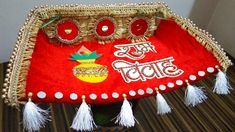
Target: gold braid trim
[205, 39]
[15, 81]
[26, 54]
[123, 10]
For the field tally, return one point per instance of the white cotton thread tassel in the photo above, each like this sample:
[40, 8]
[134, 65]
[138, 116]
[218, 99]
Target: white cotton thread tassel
[194, 95]
[222, 85]
[34, 117]
[125, 117]
[162, 105]
[83, 120]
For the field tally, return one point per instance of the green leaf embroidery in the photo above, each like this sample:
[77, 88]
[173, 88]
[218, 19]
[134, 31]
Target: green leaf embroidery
[92, 55]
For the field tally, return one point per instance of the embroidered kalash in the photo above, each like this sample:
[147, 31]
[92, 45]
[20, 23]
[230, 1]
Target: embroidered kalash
[104, 54]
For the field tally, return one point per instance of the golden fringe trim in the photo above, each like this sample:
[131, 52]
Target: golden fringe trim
[206, 40]
[30, 41]
[15, 81]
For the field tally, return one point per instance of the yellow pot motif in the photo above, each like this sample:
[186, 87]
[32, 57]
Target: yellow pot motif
[88, 70]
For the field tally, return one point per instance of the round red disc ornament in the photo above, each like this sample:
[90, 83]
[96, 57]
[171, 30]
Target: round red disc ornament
[67, 31]
[138, 27]
[105, 28]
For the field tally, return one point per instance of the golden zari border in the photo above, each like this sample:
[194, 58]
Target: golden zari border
[15, 81]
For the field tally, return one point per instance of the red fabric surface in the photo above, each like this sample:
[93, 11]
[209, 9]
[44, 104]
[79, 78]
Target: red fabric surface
[109, 24]
[51, 70]
[139, 27]
[67, 25]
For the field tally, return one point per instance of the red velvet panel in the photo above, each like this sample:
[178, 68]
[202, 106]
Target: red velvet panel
[51, 70]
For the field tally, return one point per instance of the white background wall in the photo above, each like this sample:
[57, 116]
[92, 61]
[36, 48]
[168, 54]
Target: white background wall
[13, 14]
[202, 12]
[222, 25]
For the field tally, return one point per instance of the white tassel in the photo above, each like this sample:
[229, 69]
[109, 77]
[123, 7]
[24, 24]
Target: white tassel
[126, 117]
[194, 95]
[222, 85]
[34, 117]
[162, 106]
[83, 121]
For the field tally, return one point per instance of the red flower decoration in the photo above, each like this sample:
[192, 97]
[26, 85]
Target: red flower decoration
[138, 27]
[105, 27]
[67, 31]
